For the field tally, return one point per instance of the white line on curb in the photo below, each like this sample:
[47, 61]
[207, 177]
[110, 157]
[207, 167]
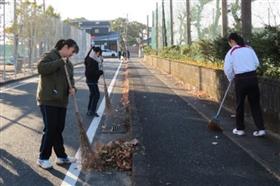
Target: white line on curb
[73, 172]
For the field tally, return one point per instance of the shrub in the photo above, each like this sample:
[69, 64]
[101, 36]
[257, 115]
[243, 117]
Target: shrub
[267, 45]
[149, 51]
[211, 53]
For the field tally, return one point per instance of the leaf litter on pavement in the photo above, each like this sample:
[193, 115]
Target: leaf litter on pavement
[116, 154]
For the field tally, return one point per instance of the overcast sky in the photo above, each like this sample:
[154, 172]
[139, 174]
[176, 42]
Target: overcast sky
[103, 9]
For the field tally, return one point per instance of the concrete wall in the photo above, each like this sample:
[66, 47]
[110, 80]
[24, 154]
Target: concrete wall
[214, 83]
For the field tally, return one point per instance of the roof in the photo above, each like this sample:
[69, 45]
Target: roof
[95, 24]
[111, 36]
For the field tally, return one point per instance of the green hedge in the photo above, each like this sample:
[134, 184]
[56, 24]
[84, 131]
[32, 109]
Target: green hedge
[211, 53]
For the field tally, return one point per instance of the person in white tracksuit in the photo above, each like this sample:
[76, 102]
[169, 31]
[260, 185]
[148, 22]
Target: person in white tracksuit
[240, 66]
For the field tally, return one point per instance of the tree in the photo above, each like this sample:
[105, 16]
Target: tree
[246, 18]
[214, 27]
[182, 27]
[27, 29]
[129, 30]
[119, 25]
[235, 11]
[51, 12]
[224, 18]
[196, 15]
[188, 17]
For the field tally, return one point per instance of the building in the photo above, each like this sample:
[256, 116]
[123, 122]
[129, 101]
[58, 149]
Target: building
[100, 34]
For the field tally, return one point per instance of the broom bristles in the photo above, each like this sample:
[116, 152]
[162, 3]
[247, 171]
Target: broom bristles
[214, 126]
[86, 150]
[108, 105]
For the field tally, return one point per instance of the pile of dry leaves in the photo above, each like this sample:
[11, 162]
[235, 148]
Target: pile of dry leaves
[113, 155]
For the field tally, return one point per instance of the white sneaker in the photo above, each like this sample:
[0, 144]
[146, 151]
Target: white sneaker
[45, 164]
[238, 132]
[259, 133]
[67, 160]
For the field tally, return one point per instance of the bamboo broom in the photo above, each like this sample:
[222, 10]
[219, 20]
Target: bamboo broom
[87, 153]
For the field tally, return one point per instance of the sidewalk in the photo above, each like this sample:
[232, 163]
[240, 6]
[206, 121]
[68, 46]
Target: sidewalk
[177, 147]
[10, 75]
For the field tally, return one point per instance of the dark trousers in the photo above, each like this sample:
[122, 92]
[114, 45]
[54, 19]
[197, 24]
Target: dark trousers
[54, 121]
[93, 97]
[246, 84]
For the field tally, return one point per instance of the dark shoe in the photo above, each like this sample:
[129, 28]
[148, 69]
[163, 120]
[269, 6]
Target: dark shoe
[96, 115]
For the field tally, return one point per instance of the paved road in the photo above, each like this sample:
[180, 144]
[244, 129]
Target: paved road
[21, 129]
[177, 150]
[177, 147]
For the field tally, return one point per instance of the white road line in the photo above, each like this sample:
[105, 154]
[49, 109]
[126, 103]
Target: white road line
[73, 172]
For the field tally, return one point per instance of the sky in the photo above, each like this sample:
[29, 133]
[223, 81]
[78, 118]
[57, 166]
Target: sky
[137, 10]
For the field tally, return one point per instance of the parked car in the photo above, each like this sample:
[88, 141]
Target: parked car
[109, 53]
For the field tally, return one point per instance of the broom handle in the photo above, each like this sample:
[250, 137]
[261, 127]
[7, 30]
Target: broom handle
[222, 103]
[70, 85]
[101, 68]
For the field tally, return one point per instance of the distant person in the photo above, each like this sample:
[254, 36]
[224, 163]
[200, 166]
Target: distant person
[128, 54]
[240, 65]
[92, 62]
[124, 54]
[52, 98]
[119, 54]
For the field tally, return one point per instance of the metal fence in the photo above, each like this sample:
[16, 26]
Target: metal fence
[206, 19]
[29, 32]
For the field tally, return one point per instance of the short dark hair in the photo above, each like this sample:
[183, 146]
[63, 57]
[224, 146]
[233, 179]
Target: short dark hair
[69, 42]
[237, 38]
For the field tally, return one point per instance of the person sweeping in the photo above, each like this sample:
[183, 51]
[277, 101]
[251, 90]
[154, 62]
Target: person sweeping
[93, 73]
[240, 66]
[52, 97]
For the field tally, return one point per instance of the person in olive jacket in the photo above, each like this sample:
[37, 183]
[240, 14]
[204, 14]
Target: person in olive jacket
[92, 72]
[52, 98]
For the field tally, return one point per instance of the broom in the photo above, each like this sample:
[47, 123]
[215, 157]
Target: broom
[214, 123]
[108, 105]
[86, 151]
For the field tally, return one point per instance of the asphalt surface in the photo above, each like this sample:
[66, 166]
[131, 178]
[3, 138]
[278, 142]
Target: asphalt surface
[21, 130]
[177, 148]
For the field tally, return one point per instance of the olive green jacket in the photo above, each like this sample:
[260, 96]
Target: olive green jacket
[53, 89]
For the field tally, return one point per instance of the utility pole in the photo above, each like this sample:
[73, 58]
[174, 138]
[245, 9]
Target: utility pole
[268, 16]
[15, 38]
[126, 32]
[224, 18]
[189, 38]
[153, 17]
[246, 18]
[171, 22]
[164, 38]
[3, 2]
[44, 6]
[157, 26]
[148, 34]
